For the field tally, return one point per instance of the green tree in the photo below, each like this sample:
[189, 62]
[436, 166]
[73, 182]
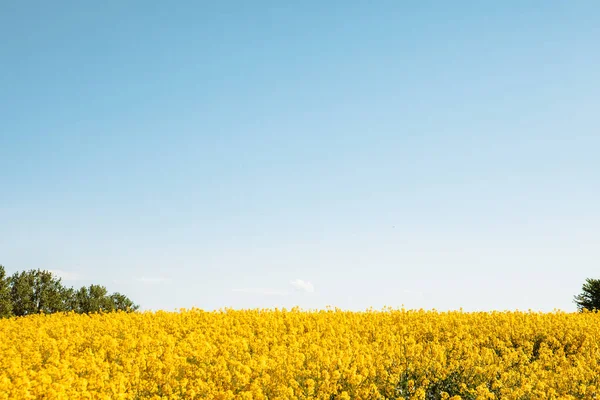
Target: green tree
[589, 298]
[37, 291]
[95, 298]
[121, 302]
[5, 301]
[70, 299]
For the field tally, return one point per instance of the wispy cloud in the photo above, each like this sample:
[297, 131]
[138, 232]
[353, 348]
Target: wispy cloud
[153, 280]
[65, 275]
[262, 291]
[303, 286]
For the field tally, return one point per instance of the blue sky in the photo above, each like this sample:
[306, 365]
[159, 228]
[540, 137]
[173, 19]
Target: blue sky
[272, 154]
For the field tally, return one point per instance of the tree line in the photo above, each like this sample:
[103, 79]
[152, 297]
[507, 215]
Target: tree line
[40, 291]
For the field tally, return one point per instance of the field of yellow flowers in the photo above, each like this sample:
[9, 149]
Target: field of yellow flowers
[295, 354]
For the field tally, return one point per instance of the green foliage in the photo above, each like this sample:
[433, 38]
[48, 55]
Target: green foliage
[589, 298]
[37, 291]
[95, 298]
[5, 303]
[92, 299]
[122, 302]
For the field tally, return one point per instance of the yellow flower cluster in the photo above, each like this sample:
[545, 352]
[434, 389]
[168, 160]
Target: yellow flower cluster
[295, 354]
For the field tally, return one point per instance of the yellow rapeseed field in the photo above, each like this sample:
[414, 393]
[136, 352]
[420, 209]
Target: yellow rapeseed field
[295, 354]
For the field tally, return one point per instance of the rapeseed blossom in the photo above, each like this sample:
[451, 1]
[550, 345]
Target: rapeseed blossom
[295, 354]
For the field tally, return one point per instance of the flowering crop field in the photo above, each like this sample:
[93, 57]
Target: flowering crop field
[295, 354]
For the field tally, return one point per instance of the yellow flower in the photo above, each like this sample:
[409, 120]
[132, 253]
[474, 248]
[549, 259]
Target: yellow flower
[295, 354]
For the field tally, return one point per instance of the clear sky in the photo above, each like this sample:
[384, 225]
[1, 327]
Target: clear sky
[279, 153]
